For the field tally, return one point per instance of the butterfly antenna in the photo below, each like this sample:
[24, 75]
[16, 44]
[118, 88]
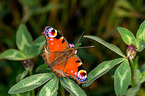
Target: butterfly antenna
[85, 47]
[79, 38]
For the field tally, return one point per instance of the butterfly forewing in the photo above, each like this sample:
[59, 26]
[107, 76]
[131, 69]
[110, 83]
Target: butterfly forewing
[54, 40]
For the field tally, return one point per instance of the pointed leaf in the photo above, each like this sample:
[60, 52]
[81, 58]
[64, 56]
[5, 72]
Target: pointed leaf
[142, 80]
[141, 34]
[127, 36]
[37, 46]
[30, 83]
[101, 69]
[23, 40]
[12, 54]
[20, 76]
[137, 75]
[72, 87]
[142, 68]
[141, 46]
[132, 91]
[108, 45]
[122, 78]
[43, 68]
[50, 89]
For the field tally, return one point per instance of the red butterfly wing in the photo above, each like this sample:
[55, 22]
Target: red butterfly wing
[74, 68]
[54, 49]
[54, 40]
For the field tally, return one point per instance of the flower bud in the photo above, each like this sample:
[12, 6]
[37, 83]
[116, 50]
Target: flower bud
[131, 52]
[28, 64]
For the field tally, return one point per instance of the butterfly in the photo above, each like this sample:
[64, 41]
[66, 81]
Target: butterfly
[61, 56]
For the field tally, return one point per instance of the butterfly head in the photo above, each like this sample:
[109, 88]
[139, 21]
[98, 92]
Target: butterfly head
[49, 32]
[73, 46]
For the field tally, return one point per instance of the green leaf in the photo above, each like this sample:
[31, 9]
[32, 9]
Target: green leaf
[108, 45]
[132, 91]
[137, 75]
[141, 34]
[122, 78]
[43, 68]
[142, 80]
[22, 75]
[28, 93]
[50, 89]
[37, 46]
[12, 54]
[127, 36]
[30, 83]
[142, 68]
[24, 40]
[141, 46]
[143, 73]
[101, 69]
[72, 87]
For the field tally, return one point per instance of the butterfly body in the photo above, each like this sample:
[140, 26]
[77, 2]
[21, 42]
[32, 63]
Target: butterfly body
[62, 58]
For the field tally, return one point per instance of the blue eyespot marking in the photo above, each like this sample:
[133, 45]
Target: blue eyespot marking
[47, 31]
[83, 79]
[82, 76]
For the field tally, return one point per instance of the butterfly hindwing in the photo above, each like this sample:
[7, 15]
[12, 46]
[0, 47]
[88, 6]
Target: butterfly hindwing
[74, 68]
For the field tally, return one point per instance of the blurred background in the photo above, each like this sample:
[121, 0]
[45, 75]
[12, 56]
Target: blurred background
[71, 17]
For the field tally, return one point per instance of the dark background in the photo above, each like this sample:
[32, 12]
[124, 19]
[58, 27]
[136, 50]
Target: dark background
[71, 17]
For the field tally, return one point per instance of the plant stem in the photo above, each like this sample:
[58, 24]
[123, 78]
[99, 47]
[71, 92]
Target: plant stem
[132, 73]
[30, 73]
[62, 91]
[33, 91]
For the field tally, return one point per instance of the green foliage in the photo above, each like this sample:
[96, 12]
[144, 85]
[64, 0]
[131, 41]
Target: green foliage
[75, 16]
[28, 48]
[72, 87]
[43, 68]
[141, 36]
[37, 46]
[30, 83]
[122, 78]
[12, 54]
[21, 76]
[50, 89]
[108, 45]
[101, 69]
[132, 91]
[123, 74]
[24, 40]
[127, 36]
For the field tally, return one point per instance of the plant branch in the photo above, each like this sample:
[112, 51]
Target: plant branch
[132, 74]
